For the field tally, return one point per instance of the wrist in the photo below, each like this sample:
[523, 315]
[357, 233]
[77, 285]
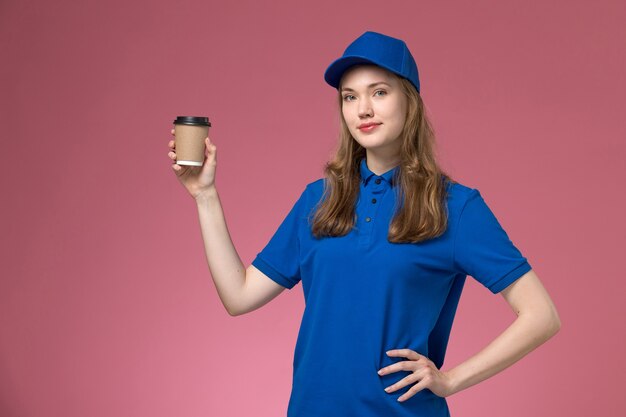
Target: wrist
[454, 384]
[206, 194]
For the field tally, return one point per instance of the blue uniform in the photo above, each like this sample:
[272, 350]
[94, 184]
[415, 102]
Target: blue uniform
[365, 296]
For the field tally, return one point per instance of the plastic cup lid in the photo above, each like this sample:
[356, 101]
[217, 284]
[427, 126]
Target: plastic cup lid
[192, 120]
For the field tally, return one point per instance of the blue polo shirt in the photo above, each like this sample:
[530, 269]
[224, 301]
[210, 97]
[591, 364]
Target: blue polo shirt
[364, 296]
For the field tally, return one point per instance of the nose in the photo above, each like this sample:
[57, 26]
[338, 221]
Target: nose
[365, 108]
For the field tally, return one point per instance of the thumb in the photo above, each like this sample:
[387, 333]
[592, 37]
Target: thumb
[210, 146]
[210, 155]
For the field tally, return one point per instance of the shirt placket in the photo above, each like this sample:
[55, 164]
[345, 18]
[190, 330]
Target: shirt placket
[372, 196]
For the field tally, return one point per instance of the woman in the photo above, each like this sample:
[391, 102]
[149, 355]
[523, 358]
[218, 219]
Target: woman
[382, 244]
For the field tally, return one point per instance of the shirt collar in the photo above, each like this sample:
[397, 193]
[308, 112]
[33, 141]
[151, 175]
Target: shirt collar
[366, 174]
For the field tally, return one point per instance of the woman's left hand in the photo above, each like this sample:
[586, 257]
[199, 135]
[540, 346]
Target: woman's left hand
[424, 372]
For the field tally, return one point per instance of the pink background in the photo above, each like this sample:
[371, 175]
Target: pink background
[107, 307]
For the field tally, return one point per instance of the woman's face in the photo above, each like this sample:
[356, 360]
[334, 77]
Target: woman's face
[372, 95]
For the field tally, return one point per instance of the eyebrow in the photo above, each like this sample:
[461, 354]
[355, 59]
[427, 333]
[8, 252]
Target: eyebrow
[369, 86]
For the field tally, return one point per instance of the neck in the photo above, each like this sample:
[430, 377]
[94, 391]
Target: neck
[379, 164]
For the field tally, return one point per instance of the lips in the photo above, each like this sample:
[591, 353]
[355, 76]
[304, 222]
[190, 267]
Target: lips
[367, 127]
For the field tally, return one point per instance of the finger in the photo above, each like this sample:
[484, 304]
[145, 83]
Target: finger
[412, 391]
[409, 379]
[172, 131]
[172, 155]
[407, 353]
[210, 146]
[171, 144]
[408, 366]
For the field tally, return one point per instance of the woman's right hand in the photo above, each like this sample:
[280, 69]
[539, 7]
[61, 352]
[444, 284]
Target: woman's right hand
[196, 179]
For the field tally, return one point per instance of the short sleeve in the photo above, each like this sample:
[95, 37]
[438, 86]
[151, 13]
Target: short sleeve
[280, 258]
[483, 249]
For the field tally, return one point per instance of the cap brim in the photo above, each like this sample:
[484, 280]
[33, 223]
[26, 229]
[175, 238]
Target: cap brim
[335, 70]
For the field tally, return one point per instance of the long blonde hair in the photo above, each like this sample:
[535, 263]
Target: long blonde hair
[419, 183]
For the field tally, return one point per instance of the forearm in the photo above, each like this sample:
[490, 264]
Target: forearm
[525, 334]
[225, 266]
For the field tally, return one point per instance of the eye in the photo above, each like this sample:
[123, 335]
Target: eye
[345, 98]
[381, 91]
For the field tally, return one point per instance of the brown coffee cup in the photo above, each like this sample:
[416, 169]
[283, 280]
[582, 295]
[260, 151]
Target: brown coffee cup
[190, 133]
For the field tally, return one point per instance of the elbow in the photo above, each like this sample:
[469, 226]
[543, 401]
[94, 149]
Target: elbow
[232, 312]
[547, 323]
[553, 318]
[552, 323]
[231, 309]
[556, 323]
[237, 311]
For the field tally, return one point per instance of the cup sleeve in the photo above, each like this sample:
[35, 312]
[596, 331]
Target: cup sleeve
[280, 258]
[483, 250]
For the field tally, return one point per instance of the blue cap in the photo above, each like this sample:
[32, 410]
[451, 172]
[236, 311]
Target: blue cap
[378, 49]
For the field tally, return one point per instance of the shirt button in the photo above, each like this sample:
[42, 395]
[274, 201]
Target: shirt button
[373, 200]
[367, 219]
[377, 181]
